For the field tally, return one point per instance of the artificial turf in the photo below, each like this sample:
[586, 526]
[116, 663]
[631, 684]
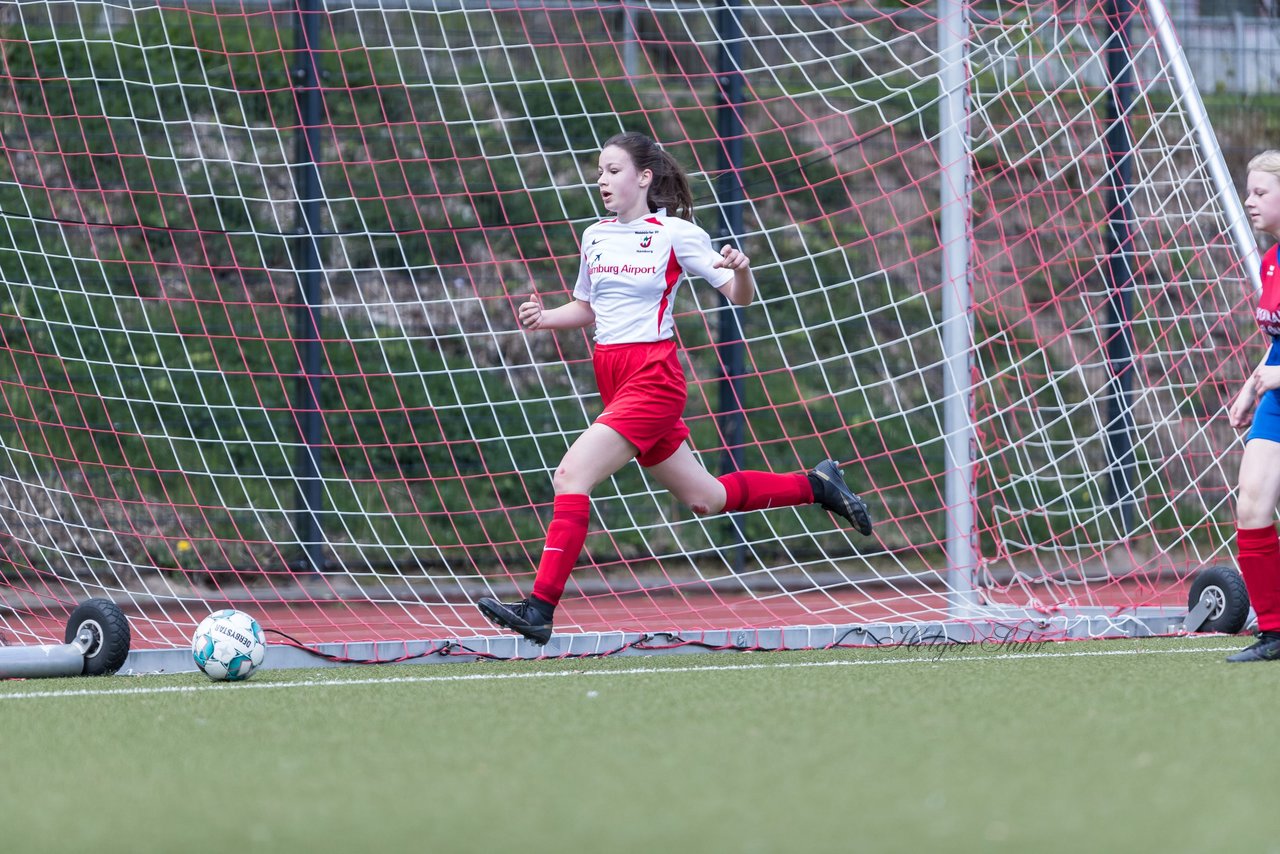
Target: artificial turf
[1119, 746]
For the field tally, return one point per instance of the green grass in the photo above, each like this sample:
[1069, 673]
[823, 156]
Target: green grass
[1129, 745]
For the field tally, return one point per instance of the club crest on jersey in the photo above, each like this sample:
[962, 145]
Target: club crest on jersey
[644, 243]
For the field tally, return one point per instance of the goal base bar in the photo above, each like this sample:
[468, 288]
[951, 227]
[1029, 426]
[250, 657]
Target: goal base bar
[1077, 625]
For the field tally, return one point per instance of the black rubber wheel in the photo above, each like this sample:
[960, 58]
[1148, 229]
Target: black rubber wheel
[1230, 599]
[110, 630]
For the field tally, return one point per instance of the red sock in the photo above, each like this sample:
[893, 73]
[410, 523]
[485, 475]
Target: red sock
[759, 490]
[565, 536]
[1258, 553]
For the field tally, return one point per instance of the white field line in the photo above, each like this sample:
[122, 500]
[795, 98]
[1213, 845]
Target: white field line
[940, 658]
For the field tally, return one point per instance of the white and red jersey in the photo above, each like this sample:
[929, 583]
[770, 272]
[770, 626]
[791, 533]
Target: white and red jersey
[631, 270]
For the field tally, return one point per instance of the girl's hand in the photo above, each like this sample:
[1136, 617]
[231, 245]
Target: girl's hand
[1240, 415]
[1265, 378]
[531, 312]
[732, 259]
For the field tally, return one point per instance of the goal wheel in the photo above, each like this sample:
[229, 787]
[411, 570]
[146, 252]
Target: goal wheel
[1223, 592]
[105, 635]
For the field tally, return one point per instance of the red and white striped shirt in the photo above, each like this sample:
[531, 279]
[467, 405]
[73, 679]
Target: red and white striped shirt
[631, 270]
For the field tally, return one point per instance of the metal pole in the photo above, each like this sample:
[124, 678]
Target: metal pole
[1237, 221]
[729, 131]
[306, 259]
[957, 307]
[630, 52]
[1118, 331]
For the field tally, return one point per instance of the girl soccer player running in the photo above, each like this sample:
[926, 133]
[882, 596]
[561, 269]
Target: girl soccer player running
[632, 265]
[1257, 545]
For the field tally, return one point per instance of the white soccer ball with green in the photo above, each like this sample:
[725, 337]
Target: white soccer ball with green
[228, 646]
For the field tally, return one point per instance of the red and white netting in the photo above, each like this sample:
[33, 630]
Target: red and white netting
[155, 182]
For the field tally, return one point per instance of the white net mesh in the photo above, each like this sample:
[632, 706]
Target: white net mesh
[160, 168]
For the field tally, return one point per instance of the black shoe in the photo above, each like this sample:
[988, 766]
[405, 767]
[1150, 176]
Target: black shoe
[1267, 648]
[830, 490]
[529, 616]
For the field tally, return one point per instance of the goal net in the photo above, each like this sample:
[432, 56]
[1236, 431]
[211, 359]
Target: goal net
[259, 269]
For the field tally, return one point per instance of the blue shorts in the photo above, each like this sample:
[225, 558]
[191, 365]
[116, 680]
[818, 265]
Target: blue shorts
[1266, 419]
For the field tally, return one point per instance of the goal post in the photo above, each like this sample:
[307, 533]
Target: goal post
[259, 269]
[959, 492]
[1237, 220]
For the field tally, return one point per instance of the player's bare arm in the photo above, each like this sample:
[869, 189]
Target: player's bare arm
[1240, 414]
[571, 315]
[1265, 378]
[742, 289]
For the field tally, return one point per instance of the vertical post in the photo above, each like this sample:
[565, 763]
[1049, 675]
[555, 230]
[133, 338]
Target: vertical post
[957, 306]
[306, 261]
[1118, 331]
[729, 190]
[1245, 58]
[630, 52]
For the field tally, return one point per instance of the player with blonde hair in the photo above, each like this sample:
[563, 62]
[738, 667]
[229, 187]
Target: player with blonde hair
[1258, 408]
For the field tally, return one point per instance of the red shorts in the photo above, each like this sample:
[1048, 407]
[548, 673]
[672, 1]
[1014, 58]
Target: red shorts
[643, 390]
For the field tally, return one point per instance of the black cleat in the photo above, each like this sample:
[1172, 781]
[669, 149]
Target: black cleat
[830, 490]
[526, 617]
[1267, 648]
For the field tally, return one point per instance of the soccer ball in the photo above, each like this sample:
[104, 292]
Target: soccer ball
[228, 646]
